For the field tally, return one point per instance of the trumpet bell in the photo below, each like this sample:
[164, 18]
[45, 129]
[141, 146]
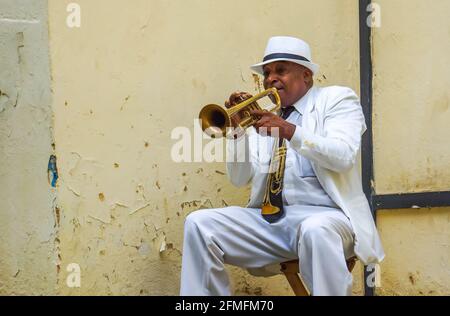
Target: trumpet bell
[214, 120]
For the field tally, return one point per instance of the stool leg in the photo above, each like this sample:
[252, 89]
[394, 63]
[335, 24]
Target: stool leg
[296, 284]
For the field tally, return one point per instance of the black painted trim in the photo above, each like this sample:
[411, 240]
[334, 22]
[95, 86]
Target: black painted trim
[366, 99]
[411, 200]
[365, 62]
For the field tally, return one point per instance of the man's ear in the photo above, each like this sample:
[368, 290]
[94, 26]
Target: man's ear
[307, 74]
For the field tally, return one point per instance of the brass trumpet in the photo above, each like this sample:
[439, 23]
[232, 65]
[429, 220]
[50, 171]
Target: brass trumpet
[215, 119]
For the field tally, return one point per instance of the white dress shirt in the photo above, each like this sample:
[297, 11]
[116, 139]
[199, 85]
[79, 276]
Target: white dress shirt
[301, 186]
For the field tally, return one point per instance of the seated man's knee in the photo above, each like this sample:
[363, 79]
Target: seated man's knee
[314, 228]
[197, 218]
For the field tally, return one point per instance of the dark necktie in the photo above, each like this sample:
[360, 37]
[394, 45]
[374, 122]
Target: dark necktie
[272, 208]
[285, 112]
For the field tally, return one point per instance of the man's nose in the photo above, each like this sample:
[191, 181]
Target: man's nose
[271, 80]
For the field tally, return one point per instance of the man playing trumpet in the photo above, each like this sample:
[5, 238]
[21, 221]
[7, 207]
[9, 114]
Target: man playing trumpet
[312, 208]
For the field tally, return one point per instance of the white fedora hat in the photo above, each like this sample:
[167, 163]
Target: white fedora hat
[285, 48]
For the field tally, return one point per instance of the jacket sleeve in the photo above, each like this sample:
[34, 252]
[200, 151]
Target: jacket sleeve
[241, 158]
[337, 148]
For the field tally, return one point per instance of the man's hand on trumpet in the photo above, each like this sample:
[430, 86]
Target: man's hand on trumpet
[236, 98]
[269, 121]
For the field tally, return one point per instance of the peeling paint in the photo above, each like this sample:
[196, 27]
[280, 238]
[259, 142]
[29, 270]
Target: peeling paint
[20, 46]
[58, 216]
[74, 191]
[125, 101]
[194, 203]
[99, 219]
[139, 208]
[4, 98]
[52, 171]
[162, 248]
[120, 204]
[258, 85]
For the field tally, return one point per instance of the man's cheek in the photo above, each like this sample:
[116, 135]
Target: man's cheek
[283, 93]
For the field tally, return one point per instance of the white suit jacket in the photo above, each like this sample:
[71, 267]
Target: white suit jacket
[330, 137]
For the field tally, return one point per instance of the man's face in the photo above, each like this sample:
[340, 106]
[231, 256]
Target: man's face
[291, 80]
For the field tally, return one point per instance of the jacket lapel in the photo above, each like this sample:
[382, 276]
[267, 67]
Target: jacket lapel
[309, 119]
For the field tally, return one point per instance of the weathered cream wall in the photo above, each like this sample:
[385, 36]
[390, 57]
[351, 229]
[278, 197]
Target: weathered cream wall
[411, 152]
[417, 260]
[411, 97]
[28, 261]
[121, 83]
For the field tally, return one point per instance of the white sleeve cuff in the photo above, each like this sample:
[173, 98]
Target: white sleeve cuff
[296, 140]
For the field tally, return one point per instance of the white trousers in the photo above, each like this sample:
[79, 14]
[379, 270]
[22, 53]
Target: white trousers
[320, 237]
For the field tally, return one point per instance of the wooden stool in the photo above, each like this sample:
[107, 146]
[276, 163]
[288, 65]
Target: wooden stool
[291, 271]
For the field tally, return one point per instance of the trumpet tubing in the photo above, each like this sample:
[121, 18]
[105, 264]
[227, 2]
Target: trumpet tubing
[275, 176]
[215, 119]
